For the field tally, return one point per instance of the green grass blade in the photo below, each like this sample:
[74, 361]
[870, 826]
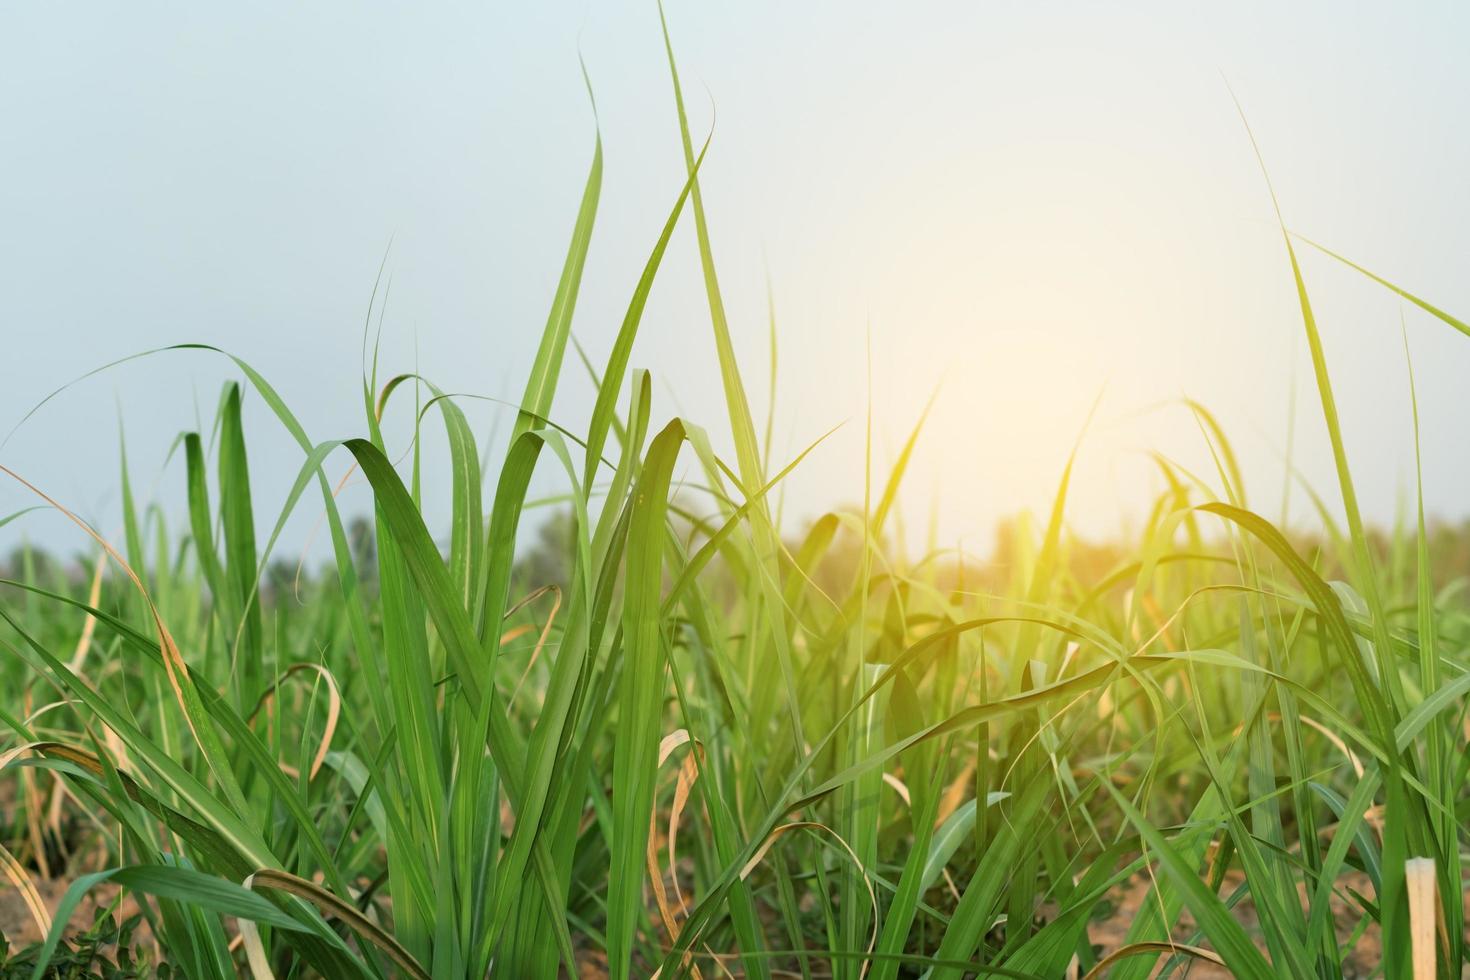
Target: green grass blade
[1427, 307]
[640, 699]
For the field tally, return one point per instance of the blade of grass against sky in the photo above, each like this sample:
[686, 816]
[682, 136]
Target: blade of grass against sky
[1404, 831]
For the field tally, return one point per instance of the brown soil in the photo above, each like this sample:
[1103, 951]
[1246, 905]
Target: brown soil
[17, 925]
[1362, 961]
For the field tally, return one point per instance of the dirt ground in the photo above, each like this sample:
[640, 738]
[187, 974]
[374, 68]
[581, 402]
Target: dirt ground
[1111, 932]
[17, 925]
[20, 929]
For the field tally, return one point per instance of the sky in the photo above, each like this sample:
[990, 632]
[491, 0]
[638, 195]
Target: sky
[1042, 212]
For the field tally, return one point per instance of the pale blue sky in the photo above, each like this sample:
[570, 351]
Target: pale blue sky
[1030, 202]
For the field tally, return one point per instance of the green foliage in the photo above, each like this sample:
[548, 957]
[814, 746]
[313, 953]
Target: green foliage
[664, 734]
[105, 950]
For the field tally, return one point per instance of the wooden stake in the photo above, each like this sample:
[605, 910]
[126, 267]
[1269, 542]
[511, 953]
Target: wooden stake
[1423, 887]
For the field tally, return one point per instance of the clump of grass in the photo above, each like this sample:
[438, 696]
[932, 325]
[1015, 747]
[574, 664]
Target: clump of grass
[708, 749]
